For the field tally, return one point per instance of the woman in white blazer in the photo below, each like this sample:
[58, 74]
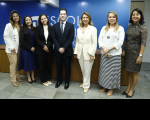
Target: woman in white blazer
[110, 41]
[11, 38]
[85, 49]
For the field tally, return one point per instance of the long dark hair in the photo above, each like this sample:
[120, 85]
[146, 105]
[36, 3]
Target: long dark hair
[39, 21]
[26, 27]
[12, 21]
[142, 16]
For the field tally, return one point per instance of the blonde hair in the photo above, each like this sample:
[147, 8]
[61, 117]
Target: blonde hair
[90, 18]
[12, 21]
[108, 24]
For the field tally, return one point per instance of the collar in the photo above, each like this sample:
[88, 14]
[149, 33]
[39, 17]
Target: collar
[45, 26]
[63, 22]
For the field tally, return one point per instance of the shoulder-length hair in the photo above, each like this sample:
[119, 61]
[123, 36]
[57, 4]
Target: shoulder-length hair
[108, 24]
[90, 18]
[141, 22]
[25, 25]
[39, 21]
[12, 21]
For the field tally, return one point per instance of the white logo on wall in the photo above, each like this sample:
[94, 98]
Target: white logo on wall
[53, 21]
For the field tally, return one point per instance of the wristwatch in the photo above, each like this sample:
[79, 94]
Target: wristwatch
[140, 55]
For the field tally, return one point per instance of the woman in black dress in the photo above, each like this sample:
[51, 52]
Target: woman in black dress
[44, 48]
[133, 49]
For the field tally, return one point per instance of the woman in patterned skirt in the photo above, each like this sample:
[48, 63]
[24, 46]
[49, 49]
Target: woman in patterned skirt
[134, 46]
[110, 41]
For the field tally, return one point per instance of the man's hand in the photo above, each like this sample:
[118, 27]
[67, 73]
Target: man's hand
[61, 50]
[33, 49]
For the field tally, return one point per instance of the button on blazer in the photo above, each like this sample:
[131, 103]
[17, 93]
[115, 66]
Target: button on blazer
[86, 42]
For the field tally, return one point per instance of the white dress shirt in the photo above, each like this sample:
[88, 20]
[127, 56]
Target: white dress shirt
[112, 38]
[45, 32]
[63, 24]
[11, 38]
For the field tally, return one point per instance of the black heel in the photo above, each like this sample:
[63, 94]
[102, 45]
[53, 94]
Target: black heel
[124, 93]
[33, 80]
[30, 82]
[130, 96]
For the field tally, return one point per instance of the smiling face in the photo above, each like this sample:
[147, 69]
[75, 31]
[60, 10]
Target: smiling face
[63, 15]
[136, 17]
[85, 19]
[111, 19]
[28, 21]
[44, 20]
[15, 17]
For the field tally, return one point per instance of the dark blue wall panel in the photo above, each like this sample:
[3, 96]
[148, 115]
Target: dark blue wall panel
[97, 8]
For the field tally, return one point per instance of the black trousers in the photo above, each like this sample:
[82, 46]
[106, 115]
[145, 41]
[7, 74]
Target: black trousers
[44, 63]
[59, 64]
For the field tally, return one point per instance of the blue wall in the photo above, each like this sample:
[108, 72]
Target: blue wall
[97, 8]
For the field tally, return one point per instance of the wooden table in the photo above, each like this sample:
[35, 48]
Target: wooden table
[76, 74]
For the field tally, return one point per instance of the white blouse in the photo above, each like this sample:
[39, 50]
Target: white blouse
[112, 38]
[45, 32]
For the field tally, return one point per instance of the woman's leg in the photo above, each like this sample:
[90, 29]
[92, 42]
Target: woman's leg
[130, 81]
[18, 72]
[13, 64]
[32, 75]
[28, 75]
[135, 80]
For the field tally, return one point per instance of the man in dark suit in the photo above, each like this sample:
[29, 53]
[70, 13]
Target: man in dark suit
[62, 36]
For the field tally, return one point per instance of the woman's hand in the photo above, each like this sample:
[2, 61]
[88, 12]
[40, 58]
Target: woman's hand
[106, 50]
[91, 58]
[139, 60]
[75, 55]
[13, 51]
[107, 55]
[33, 49]
[46, 48]
[123, 53]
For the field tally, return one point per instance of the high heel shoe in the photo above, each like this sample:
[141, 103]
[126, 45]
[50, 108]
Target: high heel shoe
[130, 96]
[30, 82]
[124, 93]
[33, 80]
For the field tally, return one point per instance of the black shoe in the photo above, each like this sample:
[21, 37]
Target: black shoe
[33, 80]
[124, 93]
[130, 96]
[66, 86]
[58, 84]
[30, 82]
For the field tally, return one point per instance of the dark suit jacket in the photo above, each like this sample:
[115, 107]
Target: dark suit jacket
[64, 40]
[25, 40]
[40, 41]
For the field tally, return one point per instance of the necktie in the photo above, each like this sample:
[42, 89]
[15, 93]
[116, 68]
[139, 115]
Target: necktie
[62, 30]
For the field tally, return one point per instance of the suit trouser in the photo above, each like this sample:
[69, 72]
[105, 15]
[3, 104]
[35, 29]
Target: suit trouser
[59, 63]
[44, 64]
[14, 62]
[86, 67]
